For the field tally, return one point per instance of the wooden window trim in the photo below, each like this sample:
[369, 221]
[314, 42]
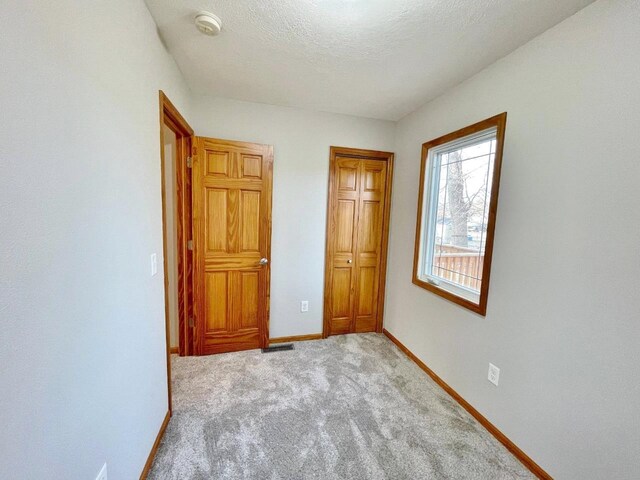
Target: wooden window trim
[499, 122]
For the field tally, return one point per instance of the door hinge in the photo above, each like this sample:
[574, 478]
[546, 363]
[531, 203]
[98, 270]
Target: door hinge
[189, 244]
[189, 162]
[190, 322]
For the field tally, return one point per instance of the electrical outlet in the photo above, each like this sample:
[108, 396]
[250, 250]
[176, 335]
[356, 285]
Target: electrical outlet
[103, 473]
[304, 306]
[494, 374]
[154, 264]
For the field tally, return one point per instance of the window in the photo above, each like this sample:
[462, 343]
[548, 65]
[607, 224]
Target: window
[457, 206]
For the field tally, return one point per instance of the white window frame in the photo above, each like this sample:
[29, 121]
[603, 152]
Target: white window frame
[430, 209]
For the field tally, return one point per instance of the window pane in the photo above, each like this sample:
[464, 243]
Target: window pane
[462, 188]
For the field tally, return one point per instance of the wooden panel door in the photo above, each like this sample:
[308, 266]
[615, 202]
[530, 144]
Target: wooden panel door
[344, 235]
[371, 209]
[357, 232]
[232, 184]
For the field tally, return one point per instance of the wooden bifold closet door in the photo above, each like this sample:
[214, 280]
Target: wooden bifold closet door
[357, 234]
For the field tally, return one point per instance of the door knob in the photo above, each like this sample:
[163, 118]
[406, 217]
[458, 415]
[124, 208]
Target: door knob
[263, 261]
[349, 261]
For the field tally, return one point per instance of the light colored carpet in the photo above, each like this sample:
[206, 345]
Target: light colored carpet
[349, 407]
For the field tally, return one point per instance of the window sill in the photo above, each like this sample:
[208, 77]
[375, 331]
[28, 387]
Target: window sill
[479, 308]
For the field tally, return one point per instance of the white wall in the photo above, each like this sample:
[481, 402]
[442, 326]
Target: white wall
[82, 352]
[171, 192]
[301, 141]
[563, 314]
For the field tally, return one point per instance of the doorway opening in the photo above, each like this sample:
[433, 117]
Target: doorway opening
[175, 154]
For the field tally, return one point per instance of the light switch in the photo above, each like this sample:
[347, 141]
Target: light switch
[154, 264]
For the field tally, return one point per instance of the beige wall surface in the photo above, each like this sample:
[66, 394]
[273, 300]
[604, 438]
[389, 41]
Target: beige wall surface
[562, 320]
[82, 352]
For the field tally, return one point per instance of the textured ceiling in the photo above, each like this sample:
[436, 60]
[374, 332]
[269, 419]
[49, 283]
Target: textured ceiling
[372, 58]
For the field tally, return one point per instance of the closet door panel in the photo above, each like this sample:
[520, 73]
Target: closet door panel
[356, 240]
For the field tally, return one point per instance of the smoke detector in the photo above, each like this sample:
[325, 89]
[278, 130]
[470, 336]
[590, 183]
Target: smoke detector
[208, 23]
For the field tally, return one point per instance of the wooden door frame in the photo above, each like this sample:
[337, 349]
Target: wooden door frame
[171, 117]
[357, 153]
